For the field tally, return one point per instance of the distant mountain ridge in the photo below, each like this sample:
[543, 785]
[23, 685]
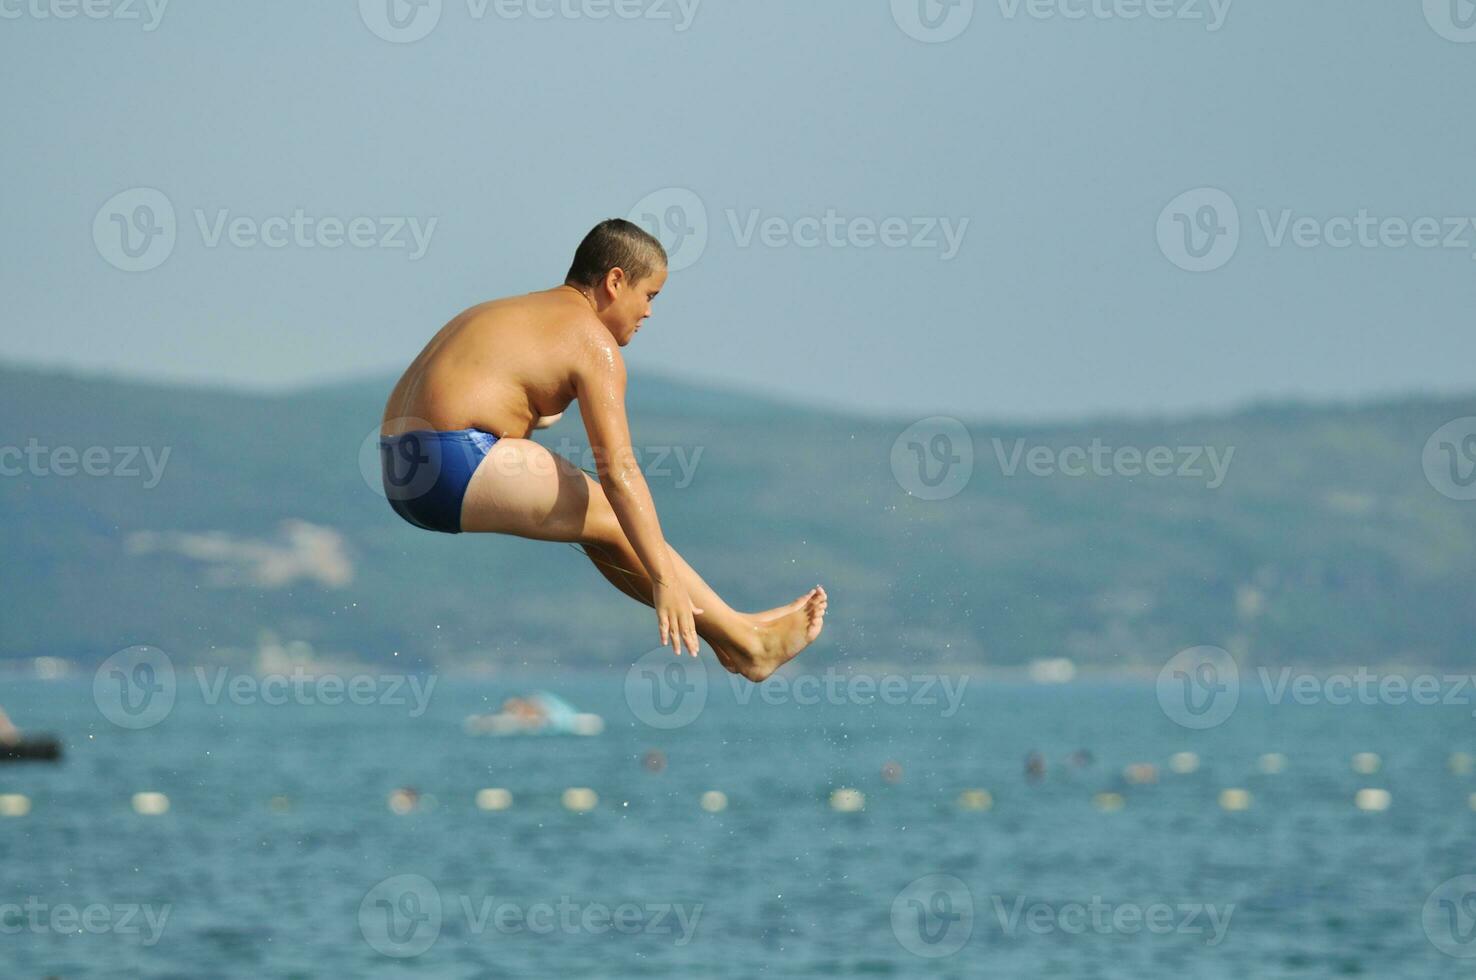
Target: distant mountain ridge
[1326, 542]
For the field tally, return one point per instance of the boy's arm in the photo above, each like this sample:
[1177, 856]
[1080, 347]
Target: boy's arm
[599, 385]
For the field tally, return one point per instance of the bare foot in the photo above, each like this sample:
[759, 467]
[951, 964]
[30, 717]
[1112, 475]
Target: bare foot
[781, 640]
[769, 615]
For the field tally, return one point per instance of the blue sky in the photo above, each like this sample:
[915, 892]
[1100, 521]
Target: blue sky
[994, 217]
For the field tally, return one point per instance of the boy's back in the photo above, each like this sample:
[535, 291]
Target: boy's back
[498, 367]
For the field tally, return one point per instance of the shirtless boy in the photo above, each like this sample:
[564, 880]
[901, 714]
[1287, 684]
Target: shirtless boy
[456, 454]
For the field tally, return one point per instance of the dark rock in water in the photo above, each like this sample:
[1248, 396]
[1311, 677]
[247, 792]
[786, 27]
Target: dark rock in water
[37, 748]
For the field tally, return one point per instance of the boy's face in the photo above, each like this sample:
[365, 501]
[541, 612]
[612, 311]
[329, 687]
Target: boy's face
[632, 302]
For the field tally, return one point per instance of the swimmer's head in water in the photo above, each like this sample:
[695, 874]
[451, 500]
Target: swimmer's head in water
[621, 268]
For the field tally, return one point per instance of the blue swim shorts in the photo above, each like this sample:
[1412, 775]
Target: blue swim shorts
[426, 473]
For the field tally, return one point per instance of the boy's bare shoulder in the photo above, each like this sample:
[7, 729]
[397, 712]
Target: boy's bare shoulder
[564, 338]
[591, 348]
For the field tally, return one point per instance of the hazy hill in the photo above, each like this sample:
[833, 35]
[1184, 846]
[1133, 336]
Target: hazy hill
[1324, 543]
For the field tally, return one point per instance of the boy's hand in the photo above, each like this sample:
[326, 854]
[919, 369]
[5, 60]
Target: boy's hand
[674, 614]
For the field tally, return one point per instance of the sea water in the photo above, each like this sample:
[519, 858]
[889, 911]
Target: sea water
[720, 846]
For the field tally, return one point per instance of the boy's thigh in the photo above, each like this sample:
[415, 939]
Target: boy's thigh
[522, 488]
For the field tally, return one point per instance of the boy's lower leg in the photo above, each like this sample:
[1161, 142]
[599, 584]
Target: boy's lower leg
[718, 623]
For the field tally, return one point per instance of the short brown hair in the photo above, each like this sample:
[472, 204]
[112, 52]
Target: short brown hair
[615, 244]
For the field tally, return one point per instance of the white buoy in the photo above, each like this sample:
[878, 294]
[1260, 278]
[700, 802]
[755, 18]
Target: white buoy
[1108, 802]
[402, 801]
[1372, 800]
[714, 801]
[1235, 800]
[1460, 763]
[580, 799]
[1184, 763]
[846, 800]
[493, 798]
[976, 799]
[1141, 773]
[1367, 763]
[14, 804]
[280, 804]
[150, 804]
[1271, 763]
